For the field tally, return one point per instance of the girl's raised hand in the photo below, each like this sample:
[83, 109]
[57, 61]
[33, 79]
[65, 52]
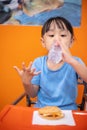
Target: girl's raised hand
[66, 54]
[26, 73]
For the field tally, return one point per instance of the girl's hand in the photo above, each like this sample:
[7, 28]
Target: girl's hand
[26, 73]
[66, 54]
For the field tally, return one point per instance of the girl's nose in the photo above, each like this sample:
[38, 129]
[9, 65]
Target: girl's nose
[56, 43]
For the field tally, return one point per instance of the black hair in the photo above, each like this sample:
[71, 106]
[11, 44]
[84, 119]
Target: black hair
[61, 23]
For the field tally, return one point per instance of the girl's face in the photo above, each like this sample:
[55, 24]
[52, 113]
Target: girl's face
[56, 36]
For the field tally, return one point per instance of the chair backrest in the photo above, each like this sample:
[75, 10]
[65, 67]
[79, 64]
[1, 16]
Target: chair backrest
[80, 93]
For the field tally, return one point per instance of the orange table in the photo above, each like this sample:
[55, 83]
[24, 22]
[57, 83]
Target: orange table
[20, 118]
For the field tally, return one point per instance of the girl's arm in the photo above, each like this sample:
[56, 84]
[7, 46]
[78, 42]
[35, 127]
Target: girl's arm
[81, 69]
[31, 89]
[26, 75]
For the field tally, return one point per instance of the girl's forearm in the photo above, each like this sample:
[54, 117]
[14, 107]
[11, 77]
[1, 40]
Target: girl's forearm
[81, 69]
[30, 89]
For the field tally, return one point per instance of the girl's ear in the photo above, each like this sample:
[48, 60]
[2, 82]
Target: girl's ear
[71, 43]
[42, 42]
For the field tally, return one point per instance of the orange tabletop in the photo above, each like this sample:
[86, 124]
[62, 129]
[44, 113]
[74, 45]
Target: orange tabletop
[20, 118]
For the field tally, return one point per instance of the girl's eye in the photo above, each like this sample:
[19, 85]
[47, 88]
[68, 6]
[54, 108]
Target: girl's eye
[63, 35]
[51, 35]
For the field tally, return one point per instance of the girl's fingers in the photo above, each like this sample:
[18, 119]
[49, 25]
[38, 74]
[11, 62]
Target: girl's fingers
[29, 66]
[63, 47]
[27, 70]
[23, 66]
[33, 72]
[36, 73]
[17, 69]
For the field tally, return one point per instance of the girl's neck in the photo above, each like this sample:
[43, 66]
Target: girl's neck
[53, 66]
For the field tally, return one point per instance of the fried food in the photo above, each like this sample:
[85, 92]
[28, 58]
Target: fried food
[51, 112]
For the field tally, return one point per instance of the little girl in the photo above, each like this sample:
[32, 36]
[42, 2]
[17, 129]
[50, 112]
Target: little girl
[54, 81]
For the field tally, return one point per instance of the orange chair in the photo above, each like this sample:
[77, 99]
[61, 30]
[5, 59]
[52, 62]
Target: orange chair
[80, 98]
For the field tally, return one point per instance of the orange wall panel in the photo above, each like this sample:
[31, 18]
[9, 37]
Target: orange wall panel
[22, 43]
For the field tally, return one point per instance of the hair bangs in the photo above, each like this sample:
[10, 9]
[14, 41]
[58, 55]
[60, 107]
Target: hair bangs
[60, 24]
